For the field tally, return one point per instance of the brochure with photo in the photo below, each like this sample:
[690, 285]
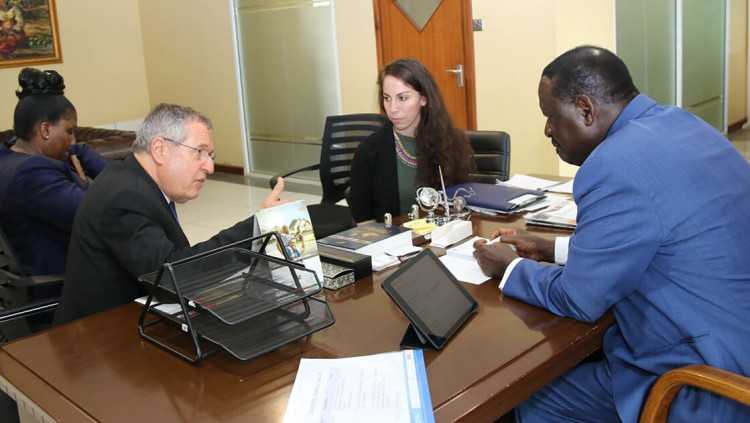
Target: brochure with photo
[292, 222]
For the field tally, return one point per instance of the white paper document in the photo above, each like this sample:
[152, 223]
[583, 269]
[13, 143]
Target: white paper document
[389, 387]
[564, 188]
[529, 182]
[383, 261]
[461, 263]
[562, 214]
[167, 308]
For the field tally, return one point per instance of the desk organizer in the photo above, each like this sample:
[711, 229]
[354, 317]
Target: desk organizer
[236, 298]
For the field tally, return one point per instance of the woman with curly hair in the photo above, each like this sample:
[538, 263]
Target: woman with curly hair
[406, 152]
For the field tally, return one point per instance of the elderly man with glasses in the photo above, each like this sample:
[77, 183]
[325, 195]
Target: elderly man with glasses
[127, 224]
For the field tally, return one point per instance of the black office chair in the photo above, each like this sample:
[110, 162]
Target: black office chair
[24, 298]
[341, 137]
[491, 155]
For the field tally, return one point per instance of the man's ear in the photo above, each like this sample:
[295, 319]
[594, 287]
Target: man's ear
[158, 150]
[585, 109]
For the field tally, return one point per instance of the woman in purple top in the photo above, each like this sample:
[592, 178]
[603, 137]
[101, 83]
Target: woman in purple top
[43, 173]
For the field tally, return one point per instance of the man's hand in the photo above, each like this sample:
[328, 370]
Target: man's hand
[274, 198]
[527, 245]
[493, 258]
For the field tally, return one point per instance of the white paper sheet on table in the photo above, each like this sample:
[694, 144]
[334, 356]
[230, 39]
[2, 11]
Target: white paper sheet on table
[564, 188]
[461, 263]
[389, 387]
[529, 182]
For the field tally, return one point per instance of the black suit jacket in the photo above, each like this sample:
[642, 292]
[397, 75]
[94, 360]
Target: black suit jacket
[374, 179]
[124, 229]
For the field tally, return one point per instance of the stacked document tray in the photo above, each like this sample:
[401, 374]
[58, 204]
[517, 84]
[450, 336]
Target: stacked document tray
[240, 300]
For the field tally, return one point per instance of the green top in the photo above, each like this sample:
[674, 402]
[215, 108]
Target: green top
[407, 175]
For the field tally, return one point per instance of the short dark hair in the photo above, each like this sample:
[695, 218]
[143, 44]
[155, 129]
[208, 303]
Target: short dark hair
[40, 98]
[592, 71]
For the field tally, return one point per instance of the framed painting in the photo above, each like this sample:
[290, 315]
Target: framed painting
[28, 33]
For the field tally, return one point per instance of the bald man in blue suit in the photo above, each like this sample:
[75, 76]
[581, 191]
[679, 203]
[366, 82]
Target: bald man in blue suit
[663, 240]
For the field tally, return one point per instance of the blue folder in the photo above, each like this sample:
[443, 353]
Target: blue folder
[491, 196]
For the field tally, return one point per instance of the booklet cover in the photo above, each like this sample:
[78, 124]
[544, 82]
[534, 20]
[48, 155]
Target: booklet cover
[292, 222]
[365, 237]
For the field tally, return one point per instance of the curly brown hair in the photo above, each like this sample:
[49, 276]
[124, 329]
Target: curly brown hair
[438, 141]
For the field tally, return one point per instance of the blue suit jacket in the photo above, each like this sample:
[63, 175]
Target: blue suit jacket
[39, 197]
[662, 239]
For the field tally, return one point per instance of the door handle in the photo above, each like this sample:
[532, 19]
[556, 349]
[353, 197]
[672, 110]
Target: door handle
[459, 72]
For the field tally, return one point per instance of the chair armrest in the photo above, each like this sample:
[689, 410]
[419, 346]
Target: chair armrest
[272, 181]
[30, 281]
[41, 280]
[29, 309]
[712, 379]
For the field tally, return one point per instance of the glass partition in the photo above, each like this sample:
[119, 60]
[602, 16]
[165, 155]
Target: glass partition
[676, 50]
[290, 80]
[703, 55]
[646, 43]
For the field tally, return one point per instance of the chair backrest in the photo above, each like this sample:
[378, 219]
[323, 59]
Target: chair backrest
[491, 155]
[341, 138]
[8, 261]
[17, 287]
[23, 296]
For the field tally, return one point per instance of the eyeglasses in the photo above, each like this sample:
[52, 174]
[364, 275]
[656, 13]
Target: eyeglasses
[203, 154]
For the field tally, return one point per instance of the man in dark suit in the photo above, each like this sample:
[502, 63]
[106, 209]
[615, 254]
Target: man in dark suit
[662, 241]
[127, 224]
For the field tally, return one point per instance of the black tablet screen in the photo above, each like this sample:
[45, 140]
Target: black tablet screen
[431, 298]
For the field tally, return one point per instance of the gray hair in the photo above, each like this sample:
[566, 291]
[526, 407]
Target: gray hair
[167, 120]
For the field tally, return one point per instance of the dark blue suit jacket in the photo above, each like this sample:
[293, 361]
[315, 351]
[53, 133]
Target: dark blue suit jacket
[39, 197]
[662, 239]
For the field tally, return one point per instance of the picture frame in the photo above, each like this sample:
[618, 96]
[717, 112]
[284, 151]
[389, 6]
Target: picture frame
[28, 33]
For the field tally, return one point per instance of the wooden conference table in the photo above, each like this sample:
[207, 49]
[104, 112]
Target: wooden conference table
[98, 369]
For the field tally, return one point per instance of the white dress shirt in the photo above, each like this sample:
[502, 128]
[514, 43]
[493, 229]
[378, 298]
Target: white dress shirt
[561, 257]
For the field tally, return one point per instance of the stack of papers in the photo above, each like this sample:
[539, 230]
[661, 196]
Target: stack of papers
[389, 387]
[561, 214]
[530, 182]
[393, 256]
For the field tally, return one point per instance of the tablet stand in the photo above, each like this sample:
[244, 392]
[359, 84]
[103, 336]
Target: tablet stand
[414, 340]
[233, 298]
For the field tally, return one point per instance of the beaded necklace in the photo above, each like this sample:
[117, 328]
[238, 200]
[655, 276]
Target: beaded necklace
[402, 154]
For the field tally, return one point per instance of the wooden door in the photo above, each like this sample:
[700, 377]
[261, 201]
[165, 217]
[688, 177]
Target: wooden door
[443, 44]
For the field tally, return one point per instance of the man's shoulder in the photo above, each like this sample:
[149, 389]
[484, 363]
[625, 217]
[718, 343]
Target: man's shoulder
[119, 185]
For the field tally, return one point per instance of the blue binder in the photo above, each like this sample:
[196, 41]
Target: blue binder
[491, 196]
